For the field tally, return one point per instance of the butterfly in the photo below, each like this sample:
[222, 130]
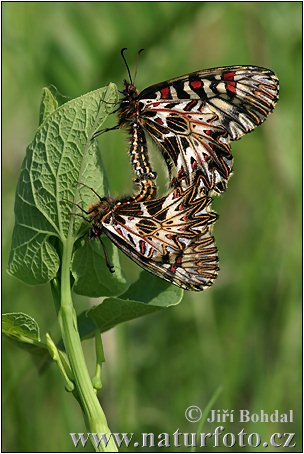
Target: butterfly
[193, 118]
[169, 236]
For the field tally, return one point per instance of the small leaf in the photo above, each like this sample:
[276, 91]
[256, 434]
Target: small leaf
[23, 332]
[92, 277]
[61, 155]
[147, 295]
[21, 327]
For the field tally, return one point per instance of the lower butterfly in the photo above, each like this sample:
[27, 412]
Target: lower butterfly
[169, 236]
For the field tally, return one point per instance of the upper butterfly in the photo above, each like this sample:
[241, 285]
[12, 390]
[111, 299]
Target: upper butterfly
[194, 117]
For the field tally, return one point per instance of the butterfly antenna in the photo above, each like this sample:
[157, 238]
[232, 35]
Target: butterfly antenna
[80, 208]
[137, 61]
[127, 66]
[93, 190]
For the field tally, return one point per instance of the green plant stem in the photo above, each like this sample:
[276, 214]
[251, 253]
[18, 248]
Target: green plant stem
[94, 416]
[208, 407]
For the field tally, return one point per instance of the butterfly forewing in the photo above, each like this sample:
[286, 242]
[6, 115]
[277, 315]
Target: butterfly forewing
[194, 117]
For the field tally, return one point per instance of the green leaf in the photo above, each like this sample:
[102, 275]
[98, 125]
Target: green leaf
[92, 277]
[23, 332]
[147, 295]
[48, 104]
[21, 327]
[61, 155]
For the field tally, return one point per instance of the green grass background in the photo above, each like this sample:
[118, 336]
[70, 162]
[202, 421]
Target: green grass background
[243, 334]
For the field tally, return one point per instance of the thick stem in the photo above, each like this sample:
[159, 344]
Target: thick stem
[94, 416]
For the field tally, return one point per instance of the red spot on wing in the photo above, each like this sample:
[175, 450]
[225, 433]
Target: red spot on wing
[176, 194]
[196, 83]
[190, 105]
[178, 261]
[181, 172]
[165, 93]
[180, 207]
[231, 86]
[208, 132]
[156, 104]
[229, 76]
[172, 269]
[159, 121]
[142, 246]
[194, 164]
[130, 218]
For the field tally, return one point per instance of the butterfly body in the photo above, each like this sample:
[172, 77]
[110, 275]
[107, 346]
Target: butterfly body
[138, 151]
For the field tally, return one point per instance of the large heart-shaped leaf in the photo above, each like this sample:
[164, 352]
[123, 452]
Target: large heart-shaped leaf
[61, 155]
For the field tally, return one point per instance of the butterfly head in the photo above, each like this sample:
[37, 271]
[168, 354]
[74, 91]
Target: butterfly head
[130, 91]
[97, 213]
[129, 104]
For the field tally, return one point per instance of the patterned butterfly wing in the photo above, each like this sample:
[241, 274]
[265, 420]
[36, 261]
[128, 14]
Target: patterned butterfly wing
[194, 117]
[170, 236]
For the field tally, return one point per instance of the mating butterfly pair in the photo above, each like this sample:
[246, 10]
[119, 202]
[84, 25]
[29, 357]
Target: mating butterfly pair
[192, 119]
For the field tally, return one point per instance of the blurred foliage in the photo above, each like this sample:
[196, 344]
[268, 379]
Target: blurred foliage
[245, 332]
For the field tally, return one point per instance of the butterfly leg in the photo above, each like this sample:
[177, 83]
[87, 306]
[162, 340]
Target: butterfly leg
[101, 131]
[109, 266]
[80, 207]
